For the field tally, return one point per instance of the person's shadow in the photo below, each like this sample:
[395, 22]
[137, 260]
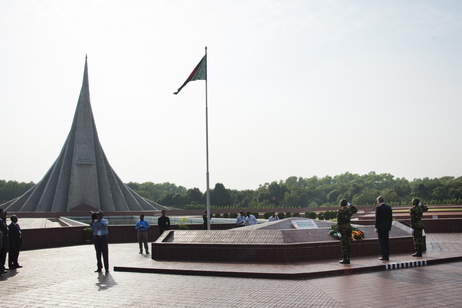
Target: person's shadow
[8, 274]
[105, 281]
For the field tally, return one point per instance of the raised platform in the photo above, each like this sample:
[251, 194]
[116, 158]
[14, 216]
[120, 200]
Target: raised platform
[289, 270]
[276, 241]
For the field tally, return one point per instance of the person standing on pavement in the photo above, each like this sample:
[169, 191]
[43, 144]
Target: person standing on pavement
[204, 218]
[417, 226]
[142, 226]
[4, 248]
[15, 242]
[383, 220]
[99, 226]
[163, 222]
[344, 229]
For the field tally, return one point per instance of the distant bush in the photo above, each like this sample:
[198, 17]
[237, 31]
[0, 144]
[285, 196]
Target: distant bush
[296, 214]
[311, 215]
[281, 215]
[288, 214]
[233, 215]
[217, 215]
[225, 215]
[330, 215]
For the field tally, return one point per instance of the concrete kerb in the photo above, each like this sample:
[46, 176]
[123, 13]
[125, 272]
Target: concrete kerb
[297, 275]
[254, 275]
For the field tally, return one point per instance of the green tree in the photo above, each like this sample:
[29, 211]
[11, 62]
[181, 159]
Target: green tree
[291, 199]
[276, 193]
[366, 197]
[422, 191]
[195, 196]
[220, 196]
[10, 190]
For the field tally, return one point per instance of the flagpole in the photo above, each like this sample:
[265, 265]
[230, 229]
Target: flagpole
[207, 145]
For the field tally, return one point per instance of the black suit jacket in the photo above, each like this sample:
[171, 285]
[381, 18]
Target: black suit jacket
[383, 217]
[4, 230]
[14, 235]
[164, 223]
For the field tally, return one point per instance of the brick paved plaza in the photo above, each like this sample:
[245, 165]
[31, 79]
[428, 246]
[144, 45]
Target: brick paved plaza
[64, 277]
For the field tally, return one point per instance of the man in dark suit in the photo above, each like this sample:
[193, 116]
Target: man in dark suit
[383, 220]
[163, 222]
[15, 243]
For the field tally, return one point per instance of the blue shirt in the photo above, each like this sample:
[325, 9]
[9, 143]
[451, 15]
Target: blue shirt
[99, 227]
[240, 220]
[142, 225]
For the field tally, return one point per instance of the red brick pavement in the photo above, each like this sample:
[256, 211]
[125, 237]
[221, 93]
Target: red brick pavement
[64, 277]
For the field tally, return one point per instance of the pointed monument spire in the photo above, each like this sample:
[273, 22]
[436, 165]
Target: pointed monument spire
[81, 176]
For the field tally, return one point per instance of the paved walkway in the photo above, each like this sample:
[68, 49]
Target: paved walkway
[64, 277]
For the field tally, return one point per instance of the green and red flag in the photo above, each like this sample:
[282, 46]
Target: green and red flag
[199, 73]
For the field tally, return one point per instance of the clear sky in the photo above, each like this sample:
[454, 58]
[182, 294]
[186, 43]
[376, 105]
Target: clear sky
[295, 88]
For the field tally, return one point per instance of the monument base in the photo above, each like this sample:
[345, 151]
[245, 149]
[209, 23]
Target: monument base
[275, 241]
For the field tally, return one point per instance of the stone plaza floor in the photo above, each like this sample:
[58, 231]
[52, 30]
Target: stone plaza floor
[64, 277]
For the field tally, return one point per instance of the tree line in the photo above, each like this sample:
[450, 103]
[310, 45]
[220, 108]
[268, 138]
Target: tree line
[10, 190]
[299, 192]
[294, 192]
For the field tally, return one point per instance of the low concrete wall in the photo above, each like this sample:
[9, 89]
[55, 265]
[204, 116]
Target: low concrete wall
[71, 236]
[436, 225]
[443, 225]
[439, 225]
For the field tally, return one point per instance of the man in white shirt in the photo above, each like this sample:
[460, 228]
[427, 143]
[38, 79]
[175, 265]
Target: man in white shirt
[250, 219]
[273, 217]
[240, 221]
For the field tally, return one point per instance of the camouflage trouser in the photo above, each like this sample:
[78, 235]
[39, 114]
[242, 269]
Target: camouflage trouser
[418, 239]
[345, 240]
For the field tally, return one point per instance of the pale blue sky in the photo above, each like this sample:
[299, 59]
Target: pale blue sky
[296, 88]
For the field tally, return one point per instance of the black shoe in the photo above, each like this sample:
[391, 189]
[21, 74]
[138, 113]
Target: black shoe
[417, 254]
[141, 252]
[147, 252]
[383, 258]
[98, 270]
[344, 261]
[18, 266]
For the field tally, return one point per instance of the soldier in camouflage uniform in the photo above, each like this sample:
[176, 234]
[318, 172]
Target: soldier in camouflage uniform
[344, 229]
[417, 210]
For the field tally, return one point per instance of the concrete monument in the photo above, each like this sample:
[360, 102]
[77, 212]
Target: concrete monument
[81, 177]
